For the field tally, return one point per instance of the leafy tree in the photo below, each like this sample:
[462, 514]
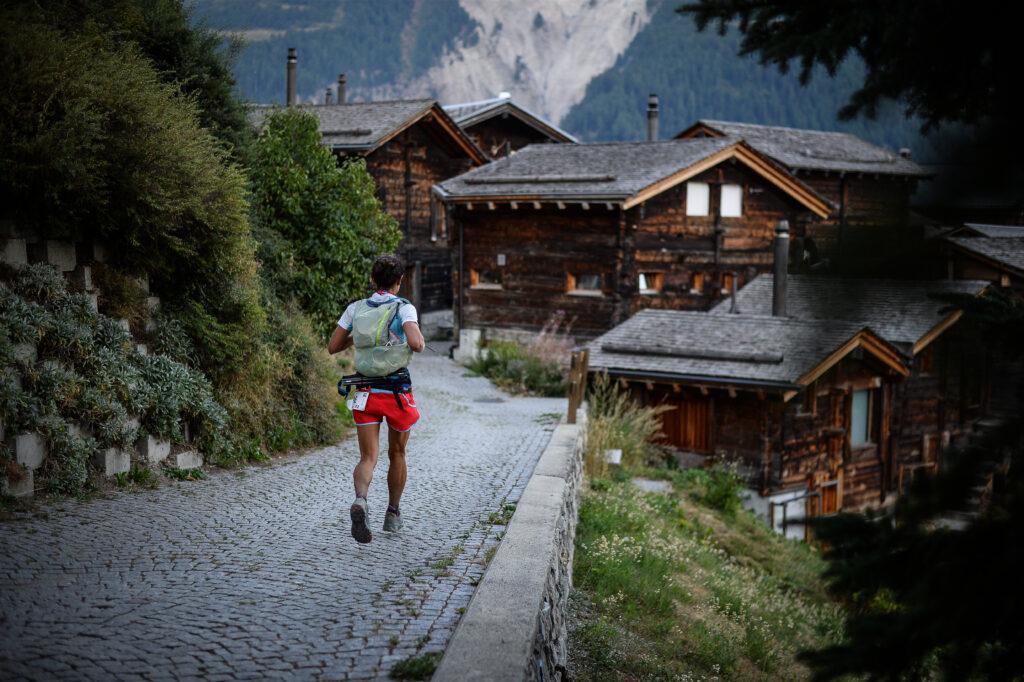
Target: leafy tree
[184, 52]
[321, 224]
[947, 62]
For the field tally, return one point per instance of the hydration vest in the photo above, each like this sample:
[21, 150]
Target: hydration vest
[377, 354]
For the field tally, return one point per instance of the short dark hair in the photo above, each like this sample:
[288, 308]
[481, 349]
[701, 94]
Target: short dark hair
[386, 271]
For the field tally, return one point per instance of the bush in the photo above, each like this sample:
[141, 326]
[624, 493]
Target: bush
[91, 378]
[615, 421]
[320, 226]
[724, 488]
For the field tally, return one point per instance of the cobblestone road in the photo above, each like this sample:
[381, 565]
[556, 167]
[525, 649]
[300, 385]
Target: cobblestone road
[253, 574]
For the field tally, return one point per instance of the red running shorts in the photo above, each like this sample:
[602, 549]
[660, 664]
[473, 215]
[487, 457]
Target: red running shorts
[381, 406]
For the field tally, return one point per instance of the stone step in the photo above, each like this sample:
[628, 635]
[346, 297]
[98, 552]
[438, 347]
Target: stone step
[29, 449]
[113, 461]
[23, 487]
[13, 251]
[152, 450]
[187, 459]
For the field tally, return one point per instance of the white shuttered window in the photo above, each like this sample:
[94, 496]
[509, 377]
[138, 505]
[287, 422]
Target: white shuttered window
[732, 201]
[697, 198]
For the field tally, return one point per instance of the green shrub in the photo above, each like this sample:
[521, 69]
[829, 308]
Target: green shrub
[320, 226]
[724, 488]
[514, 368]
[91, 376]
[616, 421]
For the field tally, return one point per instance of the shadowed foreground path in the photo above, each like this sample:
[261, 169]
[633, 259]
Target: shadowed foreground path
[254, 575]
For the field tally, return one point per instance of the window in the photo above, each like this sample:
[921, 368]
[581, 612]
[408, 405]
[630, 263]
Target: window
[732, 201]
[584, 283]
[650, 282]
[727, 280]
[697, 283]
[860, 418]
[697, 198]
[485, 279]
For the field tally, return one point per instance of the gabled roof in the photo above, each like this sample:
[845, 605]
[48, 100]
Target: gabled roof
[1006, 253]
[817, 150]
[627, 172]
[470, 114]
[901, 311]
[750, 351]
[362, 127]
[984, 230]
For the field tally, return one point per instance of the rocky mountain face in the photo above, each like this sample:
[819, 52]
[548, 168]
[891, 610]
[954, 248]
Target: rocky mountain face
[543, 52]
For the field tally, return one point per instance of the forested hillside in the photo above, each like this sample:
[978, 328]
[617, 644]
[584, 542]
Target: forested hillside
[385, 47]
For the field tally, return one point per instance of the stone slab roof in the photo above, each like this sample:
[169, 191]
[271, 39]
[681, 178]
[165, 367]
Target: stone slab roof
[901, 311]
[611, 171]
[1007, 252]
[470, 113]
[817, 150]
[757, 350]
[994, 231]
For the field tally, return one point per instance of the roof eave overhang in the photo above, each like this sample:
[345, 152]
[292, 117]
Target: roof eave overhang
[753, 160]
[997, 264]
[438, 115]
[520, 115]
[878, 347]
[700, 379]
[525, 198]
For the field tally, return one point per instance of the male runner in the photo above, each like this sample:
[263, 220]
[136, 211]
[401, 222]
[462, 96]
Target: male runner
[399, 409]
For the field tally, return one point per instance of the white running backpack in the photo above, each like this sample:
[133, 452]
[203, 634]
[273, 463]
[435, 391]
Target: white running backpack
[377, 354]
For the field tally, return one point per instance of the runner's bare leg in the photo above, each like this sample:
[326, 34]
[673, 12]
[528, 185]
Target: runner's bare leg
[397, 470]
[369, 448]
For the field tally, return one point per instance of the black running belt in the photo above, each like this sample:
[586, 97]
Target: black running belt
[396, 382]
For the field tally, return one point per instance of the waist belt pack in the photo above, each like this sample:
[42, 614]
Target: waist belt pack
[396, 382]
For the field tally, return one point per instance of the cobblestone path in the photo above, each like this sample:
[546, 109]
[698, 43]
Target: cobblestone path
[253, 574]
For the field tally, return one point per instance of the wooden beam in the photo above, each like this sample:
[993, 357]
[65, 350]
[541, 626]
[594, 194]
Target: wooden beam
[560, 205]
[623, 382]
[514, 205]
[732, 392]
[935, 331]
[490, 205]
[676, 388]
[585, 205]
[469, 205]
[703, 390]
[536, 204]
[649, 385]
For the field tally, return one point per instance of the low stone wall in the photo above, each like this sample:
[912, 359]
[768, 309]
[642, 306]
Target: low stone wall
[515, 626]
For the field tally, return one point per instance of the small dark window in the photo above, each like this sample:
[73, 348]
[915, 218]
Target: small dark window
[650, 282]
[485, 279]
[584, 282]
[697, 283]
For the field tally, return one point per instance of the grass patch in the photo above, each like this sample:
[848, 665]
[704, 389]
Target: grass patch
[137, 477]
[684, 586]
[502, 517]
[184, 474]
[517, 369]
[416, 667]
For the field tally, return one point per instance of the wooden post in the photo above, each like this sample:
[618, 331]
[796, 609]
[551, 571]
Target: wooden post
[577, 382]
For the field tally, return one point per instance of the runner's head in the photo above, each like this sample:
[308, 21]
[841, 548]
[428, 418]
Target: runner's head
[387, 271]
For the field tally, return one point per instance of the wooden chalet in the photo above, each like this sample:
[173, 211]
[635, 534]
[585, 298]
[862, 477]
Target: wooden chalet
[833, 403]
[868, 186]
[599, 231]
[991, 252]
[409, 146]
[499, 126]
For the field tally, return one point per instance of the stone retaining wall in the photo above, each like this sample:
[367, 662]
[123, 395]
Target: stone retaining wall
[515, 626]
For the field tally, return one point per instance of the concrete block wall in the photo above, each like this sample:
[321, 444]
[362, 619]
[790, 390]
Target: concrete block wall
[515, 626]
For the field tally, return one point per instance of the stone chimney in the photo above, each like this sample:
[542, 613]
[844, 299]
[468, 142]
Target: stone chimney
[327, 96]
[341, 88]
[652, 117]
[290, 77]
[781, 270]
[905, 152]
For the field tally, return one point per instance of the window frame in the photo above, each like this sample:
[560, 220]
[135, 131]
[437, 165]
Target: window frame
[657, 278]
[869, 431]
[739, 198]
[697, 282]
[572, 282]
[707, 199]
[476, 284]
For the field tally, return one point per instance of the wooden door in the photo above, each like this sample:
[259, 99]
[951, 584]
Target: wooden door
[688, 425]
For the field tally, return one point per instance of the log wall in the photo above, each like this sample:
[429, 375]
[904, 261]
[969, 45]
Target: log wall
[497, 135]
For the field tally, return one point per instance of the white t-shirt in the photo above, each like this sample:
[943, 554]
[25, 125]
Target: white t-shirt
[406, 313]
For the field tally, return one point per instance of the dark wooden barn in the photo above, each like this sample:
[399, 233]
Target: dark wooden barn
[991, 252]
[499, 126]
[409, 146]
[868, 186]
[599, 231]
[847, 434]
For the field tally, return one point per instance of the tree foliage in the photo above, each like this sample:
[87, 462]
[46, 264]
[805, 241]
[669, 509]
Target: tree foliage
[945, 61]
[320, 225]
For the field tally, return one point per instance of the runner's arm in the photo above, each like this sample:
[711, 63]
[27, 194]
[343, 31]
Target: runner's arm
[342, 339]
[413, 336]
